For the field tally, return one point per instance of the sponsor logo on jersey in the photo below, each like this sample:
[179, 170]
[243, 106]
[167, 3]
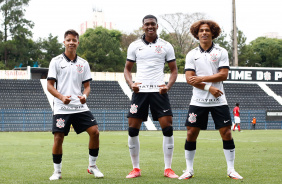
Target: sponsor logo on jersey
[60, 123]
[192, 118]
[72, 108]
[133, 109]
[79, 68]
[216, 100]
[62, 67]
[214, 57]
[158, 49]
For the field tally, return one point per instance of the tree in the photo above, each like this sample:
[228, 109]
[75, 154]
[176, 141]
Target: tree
[126, 40]
[102, 49]
[242, 48]
[50, 48]
[14, 24]
[265, 52]
[221, 40]
[178, 26]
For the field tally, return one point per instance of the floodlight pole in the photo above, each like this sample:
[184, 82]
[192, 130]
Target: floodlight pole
[235, 44]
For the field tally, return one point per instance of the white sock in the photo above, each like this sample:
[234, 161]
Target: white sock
[189, 156]
[134, 148]
[168, 145]
[57, 167]
[230, 157]
[92, 160]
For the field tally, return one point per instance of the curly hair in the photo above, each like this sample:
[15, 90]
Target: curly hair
[215, 29]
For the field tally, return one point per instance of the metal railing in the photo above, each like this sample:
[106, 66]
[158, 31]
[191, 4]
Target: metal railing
[112, 120]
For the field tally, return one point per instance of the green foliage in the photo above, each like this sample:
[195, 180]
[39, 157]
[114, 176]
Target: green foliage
[50, 48]
[32, 153]
[221, 40]
[15, 33]
[102, 49]
[265, 52]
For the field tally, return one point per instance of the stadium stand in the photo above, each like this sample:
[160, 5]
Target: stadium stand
[24, 105]
[276, 88]
[250, 97]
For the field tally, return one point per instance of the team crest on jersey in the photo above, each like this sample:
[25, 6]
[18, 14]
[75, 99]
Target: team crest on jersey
[60, 123]
[214, 57]
[79, 68]
[192, 118]
[158, 49]
[133, 109]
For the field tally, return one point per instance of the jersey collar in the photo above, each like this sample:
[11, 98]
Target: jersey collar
[209, 50]
[146, 42]
[69, 60]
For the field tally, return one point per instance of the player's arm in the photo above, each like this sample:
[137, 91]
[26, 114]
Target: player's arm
[213, 90]
[85, 93]
[173, 76]
[218, 77]
[128, 76]
[55, 93]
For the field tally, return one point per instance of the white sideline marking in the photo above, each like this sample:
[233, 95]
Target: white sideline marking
[149, 123]
[49, 96]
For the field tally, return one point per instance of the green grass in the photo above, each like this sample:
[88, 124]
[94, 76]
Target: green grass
[25, 157]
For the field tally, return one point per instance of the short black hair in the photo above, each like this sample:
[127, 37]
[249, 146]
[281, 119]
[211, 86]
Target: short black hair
[150, 17]
[72, 32]
[237, 104]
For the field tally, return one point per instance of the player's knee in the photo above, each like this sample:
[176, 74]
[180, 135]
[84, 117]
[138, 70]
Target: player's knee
[228, 144]
[168, 131]
[132, 132]
[190, 146]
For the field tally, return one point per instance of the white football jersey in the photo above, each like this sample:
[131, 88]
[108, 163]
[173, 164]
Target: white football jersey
[206, 63]
[69, 76]
[150, 60]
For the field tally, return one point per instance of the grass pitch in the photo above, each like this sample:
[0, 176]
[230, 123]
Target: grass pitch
[26, 157]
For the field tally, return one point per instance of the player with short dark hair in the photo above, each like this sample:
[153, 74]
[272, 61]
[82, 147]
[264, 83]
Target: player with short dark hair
[205, 68]
[150, 53]
[67, 73]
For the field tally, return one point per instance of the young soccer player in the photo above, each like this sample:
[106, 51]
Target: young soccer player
[67, 73]
[205, 68]
[150, 54]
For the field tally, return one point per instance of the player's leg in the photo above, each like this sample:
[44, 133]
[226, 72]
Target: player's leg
[168, 144]
[82, 122]
[94, 151]
[196, 120]
[134, 145]
[239, 121]
[136, 115]
[57, 152]
[222, 119]
[60, 129]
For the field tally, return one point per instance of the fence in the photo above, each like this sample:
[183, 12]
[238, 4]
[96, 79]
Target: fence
[109, 120]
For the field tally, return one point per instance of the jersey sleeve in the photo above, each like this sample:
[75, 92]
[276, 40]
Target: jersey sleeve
[189, 62]
[131, 56]
[170, 56]
[52, 72]
[87, 73]
[224, 60]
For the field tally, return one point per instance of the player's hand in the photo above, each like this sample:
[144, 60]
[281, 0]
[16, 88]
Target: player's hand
[82, 99]
[215, 92]
[195, 80]
[66, 99]
[135, 87]
[163, 89]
